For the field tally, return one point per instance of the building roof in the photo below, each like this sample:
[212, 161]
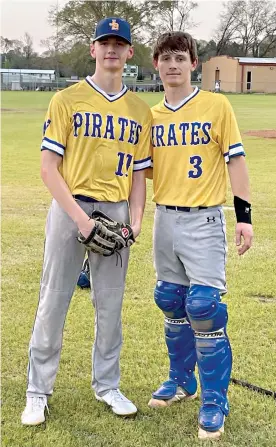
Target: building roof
[256, 60]
[26, 71]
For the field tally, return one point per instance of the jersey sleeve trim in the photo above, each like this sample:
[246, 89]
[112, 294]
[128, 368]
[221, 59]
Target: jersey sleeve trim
[141, 169]
[228, 158]
[53, 142]
[52, 146]
[235, 149]
[51, 150]
[235, 145]
[141, 161]
[141, 164]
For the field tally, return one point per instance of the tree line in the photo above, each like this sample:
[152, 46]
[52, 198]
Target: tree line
[245, 28]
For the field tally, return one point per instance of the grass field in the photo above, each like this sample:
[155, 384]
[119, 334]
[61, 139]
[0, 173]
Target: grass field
[76, 419]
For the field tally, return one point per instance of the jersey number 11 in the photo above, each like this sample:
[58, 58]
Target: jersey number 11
[122, 157]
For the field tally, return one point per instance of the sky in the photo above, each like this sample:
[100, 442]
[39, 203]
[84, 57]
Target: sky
[20, 16]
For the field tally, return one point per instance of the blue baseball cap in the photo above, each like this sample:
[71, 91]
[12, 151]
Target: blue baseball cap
[112, 26]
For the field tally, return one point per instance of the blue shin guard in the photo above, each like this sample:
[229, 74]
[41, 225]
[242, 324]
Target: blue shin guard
[171, 299]
[208, 317]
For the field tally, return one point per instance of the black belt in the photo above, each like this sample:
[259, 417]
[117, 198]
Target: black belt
[185, 209]
[85, 198]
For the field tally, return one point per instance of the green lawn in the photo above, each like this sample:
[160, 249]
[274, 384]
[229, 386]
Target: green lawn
[76, 419]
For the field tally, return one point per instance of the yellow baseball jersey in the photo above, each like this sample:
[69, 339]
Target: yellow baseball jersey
[190, 145]
[102, 139]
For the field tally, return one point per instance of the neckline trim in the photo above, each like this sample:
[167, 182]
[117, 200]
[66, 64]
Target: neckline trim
[183, 102]
[110, 98]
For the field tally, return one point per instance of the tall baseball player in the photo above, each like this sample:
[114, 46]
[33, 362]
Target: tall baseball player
[194, 133]
[94, 152]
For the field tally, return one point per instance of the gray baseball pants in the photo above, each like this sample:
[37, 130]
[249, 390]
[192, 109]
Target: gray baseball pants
[190, 247]
[63, 260]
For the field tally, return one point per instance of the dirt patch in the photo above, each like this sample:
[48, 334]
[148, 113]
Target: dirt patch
[21, 110]
[261, 133]
[12, 111]
[264, 298]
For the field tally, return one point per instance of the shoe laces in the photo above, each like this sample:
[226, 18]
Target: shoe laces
[38, 403]
[118, 396]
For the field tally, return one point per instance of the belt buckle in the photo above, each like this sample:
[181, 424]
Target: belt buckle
[183, 209]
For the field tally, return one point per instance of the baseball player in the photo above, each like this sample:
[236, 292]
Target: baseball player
[95, 148]
[194, 133]
[217, 87]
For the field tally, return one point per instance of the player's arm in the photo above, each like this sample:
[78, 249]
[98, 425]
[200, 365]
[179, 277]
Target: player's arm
[233, 152]
[50, 162]
[142, 162]
[137, 201]
[239, 180]
[149, 173]
[55, 133]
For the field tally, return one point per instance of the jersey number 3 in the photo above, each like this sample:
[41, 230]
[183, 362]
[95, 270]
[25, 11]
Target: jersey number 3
[196, 161]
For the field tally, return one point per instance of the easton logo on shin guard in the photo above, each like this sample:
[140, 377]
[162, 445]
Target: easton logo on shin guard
[178, 321]
[216, 334]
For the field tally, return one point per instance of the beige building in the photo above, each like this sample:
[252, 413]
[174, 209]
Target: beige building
[239, 74]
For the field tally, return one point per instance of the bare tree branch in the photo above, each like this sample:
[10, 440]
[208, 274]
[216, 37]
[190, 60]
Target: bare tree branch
[249, 23]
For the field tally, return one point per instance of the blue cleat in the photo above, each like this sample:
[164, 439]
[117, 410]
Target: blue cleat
[211, 417]
[211, 422]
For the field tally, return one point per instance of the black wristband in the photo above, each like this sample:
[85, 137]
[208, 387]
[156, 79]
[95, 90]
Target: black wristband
[242, 210]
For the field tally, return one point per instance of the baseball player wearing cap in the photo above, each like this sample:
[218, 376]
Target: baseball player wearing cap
[94, 152]
[194, 133]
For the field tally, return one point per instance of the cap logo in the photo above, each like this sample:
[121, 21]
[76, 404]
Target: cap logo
[114, 25]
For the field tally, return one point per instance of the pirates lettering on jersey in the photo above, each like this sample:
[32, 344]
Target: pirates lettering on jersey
[46, 125]
[185, 133]
[97, 126]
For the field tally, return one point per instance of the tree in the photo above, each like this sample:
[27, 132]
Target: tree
[78, 18]
[205, 50]
[18, 54]
[175, 15]
[267, 47]
[11, 53]
[55, 49]
[76, 21]
[76, 61]
[8, 45]
[142, 56]
[27, 50]
[251, 24]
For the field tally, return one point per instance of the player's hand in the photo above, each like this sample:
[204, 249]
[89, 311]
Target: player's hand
[136, 230]
[244, 237]
[86, 227]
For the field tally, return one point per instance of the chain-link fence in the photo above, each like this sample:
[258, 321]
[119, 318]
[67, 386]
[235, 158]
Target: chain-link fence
[148, 85]
[19, 80]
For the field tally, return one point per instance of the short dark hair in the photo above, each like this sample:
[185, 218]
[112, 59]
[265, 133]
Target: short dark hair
[175, 41]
